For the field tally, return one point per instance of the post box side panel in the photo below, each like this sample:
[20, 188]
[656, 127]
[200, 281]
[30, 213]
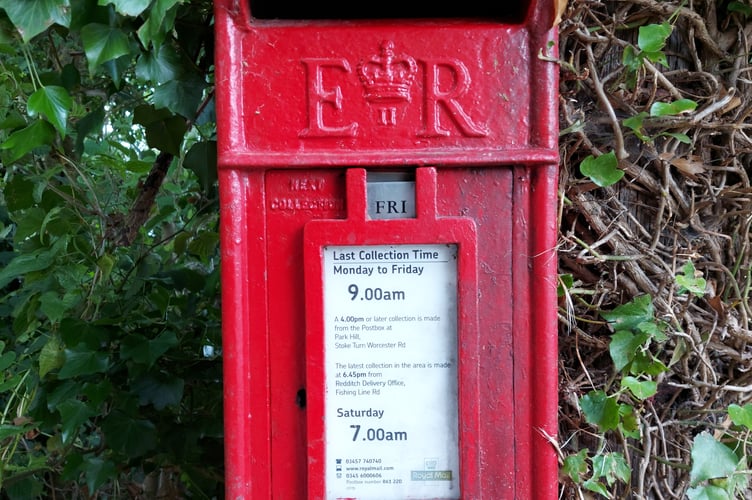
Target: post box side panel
[373, 88]
[244, 336]
[544, 210]
[535, 349]
[292, 198]
[525, 308]
[485, 195]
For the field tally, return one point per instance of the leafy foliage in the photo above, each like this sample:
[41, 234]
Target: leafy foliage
[654, 268]
[714, 465]
[108, 250]
[603, 170]
[636, 330]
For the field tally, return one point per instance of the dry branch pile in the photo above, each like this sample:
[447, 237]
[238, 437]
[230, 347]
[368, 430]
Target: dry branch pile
[677, 202]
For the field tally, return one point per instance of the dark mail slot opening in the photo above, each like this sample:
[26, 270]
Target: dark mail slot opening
[511, 12]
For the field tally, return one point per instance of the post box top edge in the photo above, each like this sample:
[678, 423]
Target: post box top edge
[537, 15]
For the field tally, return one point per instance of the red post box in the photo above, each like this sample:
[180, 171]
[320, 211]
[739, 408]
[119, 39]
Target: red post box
[388, 187]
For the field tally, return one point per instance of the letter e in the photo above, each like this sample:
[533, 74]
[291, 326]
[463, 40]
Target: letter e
[319, 95]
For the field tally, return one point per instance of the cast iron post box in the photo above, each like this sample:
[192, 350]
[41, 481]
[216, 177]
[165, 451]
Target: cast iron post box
[388, 228]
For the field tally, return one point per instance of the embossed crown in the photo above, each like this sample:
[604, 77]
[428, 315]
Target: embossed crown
[387, 77]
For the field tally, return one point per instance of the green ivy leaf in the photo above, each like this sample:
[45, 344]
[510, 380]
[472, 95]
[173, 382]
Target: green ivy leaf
[22, 488]
[160, 22]
[33, 17]
[672, 108]
[575, 466]
[7, 36]
[641, 389]
[103, 43]
[635, 123]
[602, 170]
[628, 316]
[204, 244]
[21, 142]
[6, 360]
[652, 368]
[97, 393]
[652, 37]
[69, 389]
[52, 305]
[740, 7]
[683, 138]
[19, 193]
[138, 167]
[51, 356]
[130, 436]
[105, 263]
[11, 383]
[130, 8]
[89, 124]
[741, 415]
[70, 77]
[164, 131]
[680, 350]
[54, 103]
[81, 361]
[97, 471]
[708, 492]
[653, 328]
[25, 263]
[12, 121]
[159, 389]
[7, 430]
[611, 466]
[73, 414]
[600, 410]
[630, 423]
[201, 159]
[691, 281]
[710, 459]
[624, 346]
[160, 65]
[147, 351]
[75, 332]
[117, 68]
[656, 57]
[641, 362]
[631, 59]
[595, 486]
[181, 96]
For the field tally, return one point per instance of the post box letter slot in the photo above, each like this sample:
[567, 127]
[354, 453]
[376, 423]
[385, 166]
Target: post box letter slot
[511, 12]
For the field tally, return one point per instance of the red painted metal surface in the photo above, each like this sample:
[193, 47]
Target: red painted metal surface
[304, 109]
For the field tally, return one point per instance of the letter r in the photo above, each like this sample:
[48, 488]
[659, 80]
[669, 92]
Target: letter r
[437, 99]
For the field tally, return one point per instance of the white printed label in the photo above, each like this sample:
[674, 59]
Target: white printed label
[391, 413]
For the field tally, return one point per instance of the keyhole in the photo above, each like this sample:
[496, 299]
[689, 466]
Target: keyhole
[300, 398]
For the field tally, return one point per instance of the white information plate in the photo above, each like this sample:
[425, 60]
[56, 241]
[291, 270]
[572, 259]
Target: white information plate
[391, 413]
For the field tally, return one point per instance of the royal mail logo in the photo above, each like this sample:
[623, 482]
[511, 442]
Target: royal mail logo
[430, 475]
[388, 86]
